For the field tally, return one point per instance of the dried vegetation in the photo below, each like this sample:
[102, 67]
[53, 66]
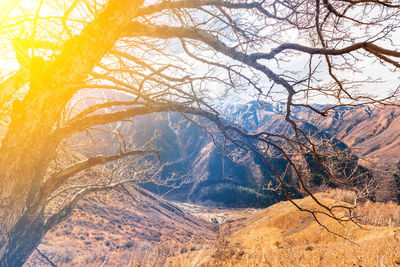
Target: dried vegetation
[283, 236]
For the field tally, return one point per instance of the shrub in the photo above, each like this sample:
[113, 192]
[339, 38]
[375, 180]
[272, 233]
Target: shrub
[358, 140]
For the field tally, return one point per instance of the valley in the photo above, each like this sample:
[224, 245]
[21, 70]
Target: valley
[233, 177]
[153, 232]
[192, 225]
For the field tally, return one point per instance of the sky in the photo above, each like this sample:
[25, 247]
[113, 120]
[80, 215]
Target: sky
[370, 67]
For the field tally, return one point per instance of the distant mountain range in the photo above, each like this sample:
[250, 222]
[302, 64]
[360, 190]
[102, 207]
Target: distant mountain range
[201, 173]
[373, 134]
[133, 220]
[197, 170]
[196, 167]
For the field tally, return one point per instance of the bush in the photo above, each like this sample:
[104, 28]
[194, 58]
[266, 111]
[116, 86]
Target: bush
[128, 244]
[358, 140]
[396, 177]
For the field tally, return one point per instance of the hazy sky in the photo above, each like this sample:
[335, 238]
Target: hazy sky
[369, 66]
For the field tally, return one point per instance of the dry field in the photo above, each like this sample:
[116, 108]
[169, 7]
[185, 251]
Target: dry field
[283, 236]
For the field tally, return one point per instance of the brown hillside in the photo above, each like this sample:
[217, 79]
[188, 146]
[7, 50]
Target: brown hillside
[373, 134]
[281, 235]
[377, 131]
[119, 227]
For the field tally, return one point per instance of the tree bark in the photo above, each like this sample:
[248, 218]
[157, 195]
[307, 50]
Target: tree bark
[27, 150]
[22, 241]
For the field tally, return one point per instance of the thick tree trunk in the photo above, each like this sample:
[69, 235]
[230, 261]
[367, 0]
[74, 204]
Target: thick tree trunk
[25, 156]
[23, 239]
[27, 234]
[28, 149]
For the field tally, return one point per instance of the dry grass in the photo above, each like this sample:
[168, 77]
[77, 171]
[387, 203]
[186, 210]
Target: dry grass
[342, 195]
[379, 214]
[370, 253]
[283, 236]
[368, 212]
[280, 235]
[114, 229]
[382, 251]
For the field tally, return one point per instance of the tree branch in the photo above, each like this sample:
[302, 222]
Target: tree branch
[12, 84]
[57, 179]
[136, 29]
[46, 258]
[86, 122]
[170, 5]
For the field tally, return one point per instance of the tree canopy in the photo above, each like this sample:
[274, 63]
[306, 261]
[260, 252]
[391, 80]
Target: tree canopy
[185, 56]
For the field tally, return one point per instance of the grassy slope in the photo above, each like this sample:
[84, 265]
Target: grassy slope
[281, 235]
[115, 228]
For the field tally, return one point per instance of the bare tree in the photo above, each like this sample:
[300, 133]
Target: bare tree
[174, 56]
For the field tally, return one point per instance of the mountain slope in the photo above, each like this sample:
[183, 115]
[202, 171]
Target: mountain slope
[195, 168]
[281, 235]
[121, 226]
[374, 135]
[201, 172]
